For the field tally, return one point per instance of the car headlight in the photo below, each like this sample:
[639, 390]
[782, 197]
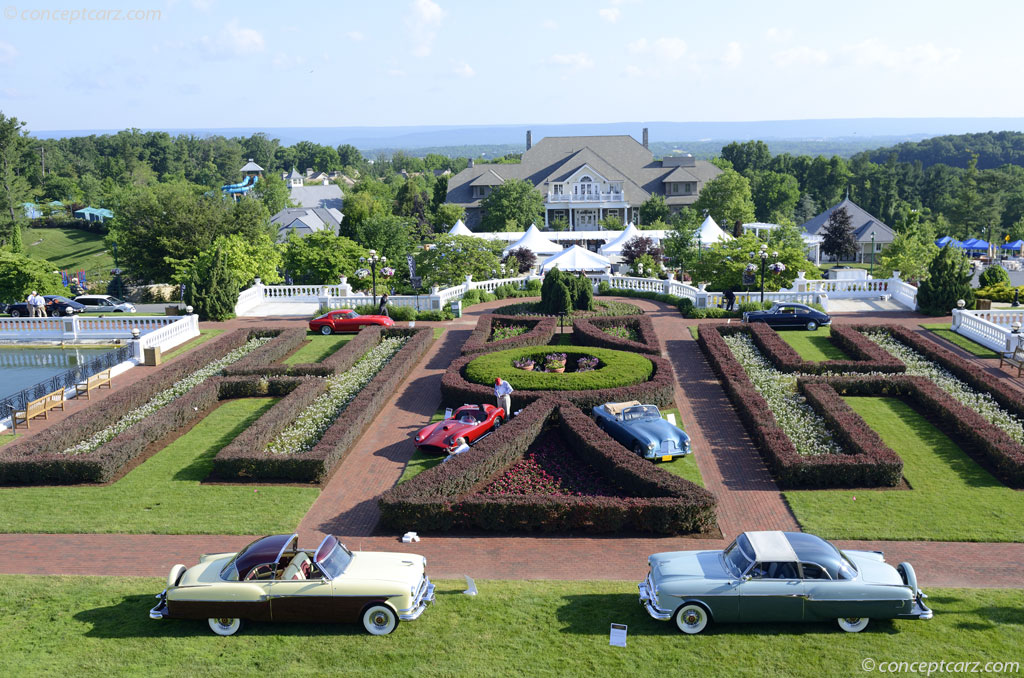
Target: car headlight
[651, 446]
[418, 436]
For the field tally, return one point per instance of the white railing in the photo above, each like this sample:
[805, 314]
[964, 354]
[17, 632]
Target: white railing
[898, 290]
[167, 337]
[980, 326]
[248, 299]
[70, 328]
[585, 197]
[904, 293]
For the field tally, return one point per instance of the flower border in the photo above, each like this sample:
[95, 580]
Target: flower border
[590, 332]
[868, 356]
[542, 330]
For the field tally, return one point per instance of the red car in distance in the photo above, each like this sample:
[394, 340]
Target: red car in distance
[469, 423]
[346, 320]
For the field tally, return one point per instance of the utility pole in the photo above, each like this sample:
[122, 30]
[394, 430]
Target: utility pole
[42, 158]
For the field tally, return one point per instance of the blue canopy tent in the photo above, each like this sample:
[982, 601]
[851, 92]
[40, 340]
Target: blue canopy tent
[1015, 245]
[967, 244]
[947, 240]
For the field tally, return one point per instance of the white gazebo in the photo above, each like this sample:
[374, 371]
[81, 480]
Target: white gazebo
[710, 232]
[534, 241]
[460, 229]
[576, 258]
[614, 247]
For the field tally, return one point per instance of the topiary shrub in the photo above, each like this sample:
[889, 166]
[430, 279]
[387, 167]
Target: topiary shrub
[949, 279]
[993, 275]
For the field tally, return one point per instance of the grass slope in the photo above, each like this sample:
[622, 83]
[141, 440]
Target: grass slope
[953, 499]
[814, 345]
[97, 626]
[70, 249]
[974, 348]
[164, 494]
[317, 347]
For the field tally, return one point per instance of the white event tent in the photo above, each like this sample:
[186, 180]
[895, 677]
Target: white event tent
[534, 241]
[576, 258]
[710, 232]
[614, 247]
[460, 229]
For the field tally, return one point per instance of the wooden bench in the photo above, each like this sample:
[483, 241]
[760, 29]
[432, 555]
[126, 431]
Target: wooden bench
[1014, 359]
[37, 408]
[96, 381]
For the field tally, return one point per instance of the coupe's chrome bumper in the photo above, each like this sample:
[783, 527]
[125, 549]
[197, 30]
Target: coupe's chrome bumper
[160, 611]
[650, 602]
[920, 610]
[424, 596]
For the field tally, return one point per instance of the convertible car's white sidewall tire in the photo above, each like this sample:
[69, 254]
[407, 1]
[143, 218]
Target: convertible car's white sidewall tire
[811, 325]
[225, 626]
[326, 329]
[175, 576]
[380, 620]
[853, 624]
[691, 618]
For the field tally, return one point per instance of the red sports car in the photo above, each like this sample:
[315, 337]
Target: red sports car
[346, 320]
[469, 423]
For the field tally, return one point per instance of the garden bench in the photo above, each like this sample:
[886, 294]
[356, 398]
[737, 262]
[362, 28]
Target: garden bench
[37, 408]
[96, 381]
[1014, 359]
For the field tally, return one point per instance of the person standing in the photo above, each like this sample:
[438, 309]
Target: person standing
[35, 305]
[730, 299]
[502, 392]
[383, 308]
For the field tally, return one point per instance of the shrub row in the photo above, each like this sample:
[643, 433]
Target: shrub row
[590, 332]
[976, 436]
[444, 497]
[37, 459]
[403, 313]
[456, 390]
[602, 307]
[869, 356]
[256, 463]
[271, 352]
[541, 331]
[616, 368]
[791, 469]
[339, 361]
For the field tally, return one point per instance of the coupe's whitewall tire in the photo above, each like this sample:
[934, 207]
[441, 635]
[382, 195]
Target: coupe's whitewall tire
[379, 620]
[326, 329]
[225, 626]
[853, 624]
[691, 618]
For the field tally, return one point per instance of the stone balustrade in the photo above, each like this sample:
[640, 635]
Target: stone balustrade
[992, 329]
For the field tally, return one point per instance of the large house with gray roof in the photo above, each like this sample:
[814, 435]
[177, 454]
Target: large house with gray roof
[585, 179]
[322, 194]
[870, 233]
[305, 221]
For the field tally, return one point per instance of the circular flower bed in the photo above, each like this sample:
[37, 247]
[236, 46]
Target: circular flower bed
[612, 369]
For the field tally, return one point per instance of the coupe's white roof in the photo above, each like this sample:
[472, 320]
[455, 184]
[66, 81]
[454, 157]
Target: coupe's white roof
[772, 547]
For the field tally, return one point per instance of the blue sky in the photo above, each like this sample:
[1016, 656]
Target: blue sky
[210, 63]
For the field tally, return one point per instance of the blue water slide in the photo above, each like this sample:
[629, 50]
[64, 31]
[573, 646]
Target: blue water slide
[244, 187]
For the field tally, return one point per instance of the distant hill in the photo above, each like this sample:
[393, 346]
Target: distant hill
[860, 133]
[993, 149]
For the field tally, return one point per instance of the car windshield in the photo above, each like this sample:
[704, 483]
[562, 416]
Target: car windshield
[115, 301]
[641, 412]
[351, 314]
[332, 557]
[739, 556]
[57, 297]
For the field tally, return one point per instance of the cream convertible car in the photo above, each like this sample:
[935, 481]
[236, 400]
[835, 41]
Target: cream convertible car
[273, 580]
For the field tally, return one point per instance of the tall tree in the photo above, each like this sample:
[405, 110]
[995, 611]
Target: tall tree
[949, 280]
[654, 209]
[910, 253]
[516, 201]
[212, 290]
[19, 275]
[321, 258]
[727, 199]
[775, 195]
[747, 156]
[837, 236]
[14, 190]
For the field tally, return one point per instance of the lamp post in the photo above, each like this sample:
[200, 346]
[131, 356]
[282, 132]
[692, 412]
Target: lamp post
[373, 260]
[763, 254]
[872, 272]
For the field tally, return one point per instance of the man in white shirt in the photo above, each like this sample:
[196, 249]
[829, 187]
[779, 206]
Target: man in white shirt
[35, 305]
[502, 391]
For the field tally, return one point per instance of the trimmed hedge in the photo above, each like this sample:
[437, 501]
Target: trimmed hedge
[38, 459]
[253, 462]
[869, 356]
[456, 390]
[590, 332]
[532, 308]
[444, 497]
[271, 352]
[617, 368]
[792, 470]
[975, 435]
[541, 332]
[339, 361]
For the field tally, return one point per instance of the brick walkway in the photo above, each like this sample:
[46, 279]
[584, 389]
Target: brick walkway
[728, 461]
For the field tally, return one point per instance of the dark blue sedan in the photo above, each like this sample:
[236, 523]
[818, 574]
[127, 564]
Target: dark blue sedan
[785, 315]
[642, 429]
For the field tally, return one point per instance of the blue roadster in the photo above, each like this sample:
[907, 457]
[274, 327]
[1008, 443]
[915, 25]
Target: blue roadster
[642, 429]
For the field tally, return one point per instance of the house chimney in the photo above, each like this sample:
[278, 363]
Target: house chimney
[529, 139]
[471, 163]
[645, 137]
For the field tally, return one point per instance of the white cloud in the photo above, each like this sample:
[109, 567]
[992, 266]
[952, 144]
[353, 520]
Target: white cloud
[7, 53]
[284, 61]
[354, 35]
[778, 34]
[464, 70]
[637, 46]
[800, 56]
[577, 61]
[423, 20]
[873, 52]
[733, 56]
[610, 14]
[549, 24]
[234, 40]
[667, 49]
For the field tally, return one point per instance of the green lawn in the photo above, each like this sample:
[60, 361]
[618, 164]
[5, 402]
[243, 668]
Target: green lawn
[9, 438]
[972, 347]
[70, 249]
[693, 332]
[317, 347]
[814, 346]
[97, 626]
[204, 336]
[953, 499]
[164, 494]
[420, 462]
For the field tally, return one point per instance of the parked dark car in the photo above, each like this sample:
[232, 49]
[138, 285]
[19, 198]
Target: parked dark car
[782, 315]
[56, 305]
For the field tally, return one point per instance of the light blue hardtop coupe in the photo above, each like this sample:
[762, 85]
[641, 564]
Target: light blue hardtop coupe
[779, 577]
[641, 429]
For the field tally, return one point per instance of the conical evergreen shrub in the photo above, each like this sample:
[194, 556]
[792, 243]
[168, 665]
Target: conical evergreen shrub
[949, 279]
